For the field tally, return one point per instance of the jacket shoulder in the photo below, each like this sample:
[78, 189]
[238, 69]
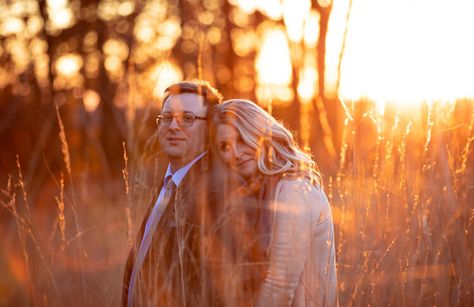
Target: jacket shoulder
[300, 195]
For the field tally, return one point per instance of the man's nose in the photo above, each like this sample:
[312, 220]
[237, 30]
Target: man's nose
[174, 123]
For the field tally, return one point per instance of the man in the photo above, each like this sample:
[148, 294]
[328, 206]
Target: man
[166, 267]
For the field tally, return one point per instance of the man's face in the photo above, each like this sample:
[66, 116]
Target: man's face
[182, 144]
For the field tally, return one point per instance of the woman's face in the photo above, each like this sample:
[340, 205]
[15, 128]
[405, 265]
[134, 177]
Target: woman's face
[235, 152]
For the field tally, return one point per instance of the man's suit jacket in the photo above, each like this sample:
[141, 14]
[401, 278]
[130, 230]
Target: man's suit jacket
[174, 272]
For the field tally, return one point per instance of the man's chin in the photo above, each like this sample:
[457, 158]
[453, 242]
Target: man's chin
[174, 154]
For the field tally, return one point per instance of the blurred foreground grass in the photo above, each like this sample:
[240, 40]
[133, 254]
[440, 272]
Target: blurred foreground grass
[402, 197]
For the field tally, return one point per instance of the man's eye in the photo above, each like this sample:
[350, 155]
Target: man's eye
[166, 118]
[188, 118]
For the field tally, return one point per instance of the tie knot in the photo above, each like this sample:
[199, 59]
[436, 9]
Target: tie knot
[169, 183]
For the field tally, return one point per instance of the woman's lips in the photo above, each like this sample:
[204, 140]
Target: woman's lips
[243, 162]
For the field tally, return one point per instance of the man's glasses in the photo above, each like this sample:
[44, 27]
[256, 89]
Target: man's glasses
[183, 120]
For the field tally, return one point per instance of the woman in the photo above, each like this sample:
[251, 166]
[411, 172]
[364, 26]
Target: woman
[301, 264]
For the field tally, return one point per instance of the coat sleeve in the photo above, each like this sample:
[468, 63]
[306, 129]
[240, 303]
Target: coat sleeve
[294, 213]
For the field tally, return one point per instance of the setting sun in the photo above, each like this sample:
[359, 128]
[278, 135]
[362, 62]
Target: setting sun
[407, 52]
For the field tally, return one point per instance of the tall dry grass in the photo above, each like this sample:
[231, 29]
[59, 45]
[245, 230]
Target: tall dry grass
[403, 204]
[402, 200]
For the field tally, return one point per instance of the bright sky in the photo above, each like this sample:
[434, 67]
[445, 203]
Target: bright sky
[399, 51]
[409, 51]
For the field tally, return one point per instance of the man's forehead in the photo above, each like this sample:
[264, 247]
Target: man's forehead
[185, 102]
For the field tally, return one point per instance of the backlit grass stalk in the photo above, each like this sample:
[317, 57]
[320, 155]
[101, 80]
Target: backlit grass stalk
[380, 138]
[402, 148]
[24, 231]
[403, 187]
[389, 145]
[429, 131]
[373, 186]
[389, 166]
[61, 218]
[355, 292]
[21, 225]
[343, 45]
[127, 192]
[181, 246]
[328, 138]
[348, 120]
[64, 145]
[418, 215]
[467, 146]
[67, 162]
[425, 165]
[453, 231]
[21, 182]
[202, 38]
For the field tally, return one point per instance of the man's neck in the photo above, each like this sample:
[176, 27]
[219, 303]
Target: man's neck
[177, 164]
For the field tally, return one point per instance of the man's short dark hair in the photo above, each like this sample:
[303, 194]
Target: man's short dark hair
[200, 87]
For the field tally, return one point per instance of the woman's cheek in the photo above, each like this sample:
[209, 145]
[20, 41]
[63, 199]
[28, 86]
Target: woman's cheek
[225, 157]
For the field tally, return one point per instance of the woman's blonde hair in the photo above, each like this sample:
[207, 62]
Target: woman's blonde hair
[277, 151]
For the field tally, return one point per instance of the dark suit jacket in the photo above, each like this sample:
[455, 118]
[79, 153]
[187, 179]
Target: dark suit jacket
[174, 272]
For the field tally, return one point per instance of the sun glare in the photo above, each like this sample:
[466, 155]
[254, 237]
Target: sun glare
[295, 12]
[407, 52]
[307, 84]
[403, 52]
[273, 66]
[164, 74]
[311, 29]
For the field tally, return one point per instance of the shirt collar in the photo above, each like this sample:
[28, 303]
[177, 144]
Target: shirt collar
[178, 176]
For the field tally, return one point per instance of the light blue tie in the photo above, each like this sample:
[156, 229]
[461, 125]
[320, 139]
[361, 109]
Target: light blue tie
[170, 186]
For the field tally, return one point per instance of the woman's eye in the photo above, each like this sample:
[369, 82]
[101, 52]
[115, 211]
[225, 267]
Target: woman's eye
[224, 147]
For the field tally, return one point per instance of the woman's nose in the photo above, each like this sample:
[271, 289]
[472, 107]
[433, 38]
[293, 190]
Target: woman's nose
[238, 153]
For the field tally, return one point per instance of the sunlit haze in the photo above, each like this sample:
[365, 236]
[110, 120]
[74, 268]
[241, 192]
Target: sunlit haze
[400, 52]
[356, 171]
[273, 66]
[164, 74]
[409, 51]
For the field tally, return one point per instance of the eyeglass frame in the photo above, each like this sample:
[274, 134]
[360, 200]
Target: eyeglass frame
[181, 122]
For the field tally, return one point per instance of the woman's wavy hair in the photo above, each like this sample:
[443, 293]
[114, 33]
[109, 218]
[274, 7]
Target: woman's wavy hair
[277, 151]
